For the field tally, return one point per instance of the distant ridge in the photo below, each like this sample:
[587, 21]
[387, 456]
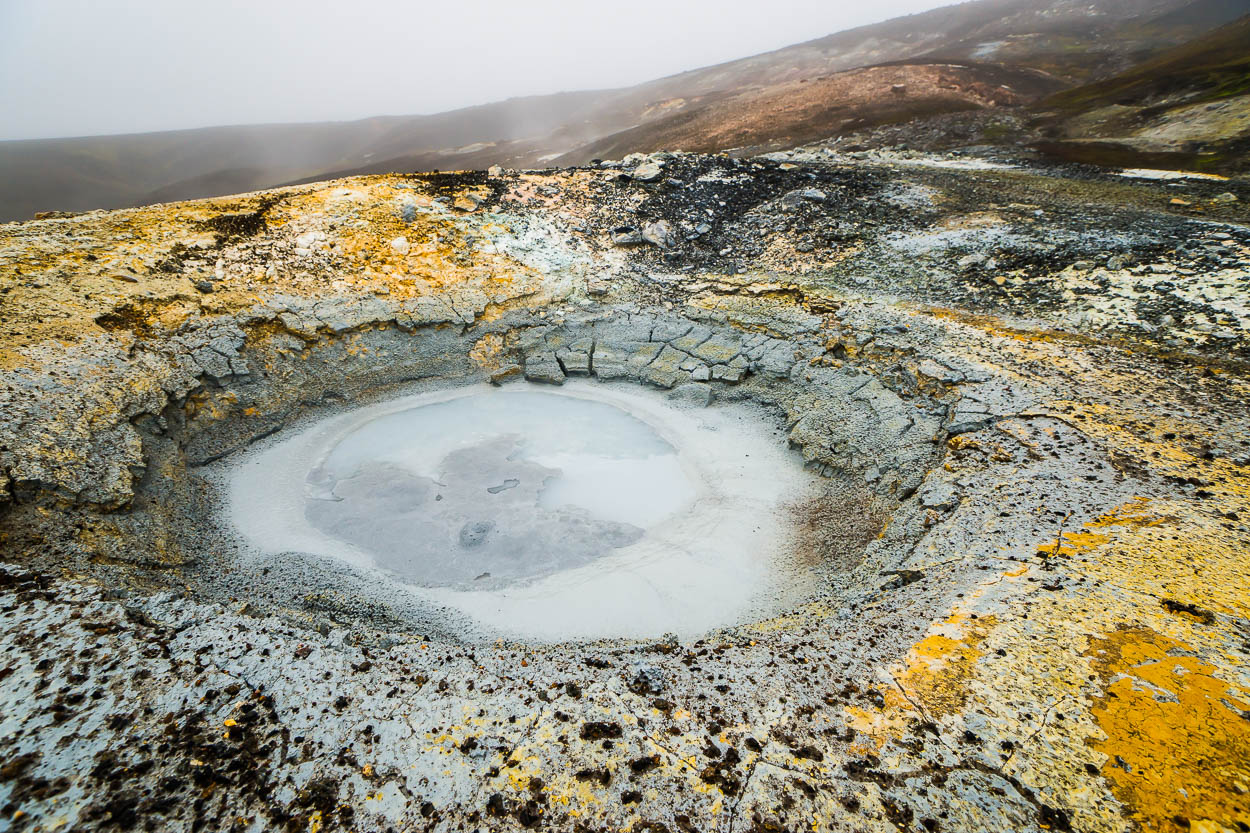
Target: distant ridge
[1188, 107]
[1060, 42]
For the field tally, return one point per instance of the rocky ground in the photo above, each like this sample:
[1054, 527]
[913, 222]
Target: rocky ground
[1025, 385]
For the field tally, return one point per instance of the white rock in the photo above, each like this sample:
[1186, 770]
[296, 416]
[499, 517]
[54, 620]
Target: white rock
[939, 495]
[933, 370]
[660, 233]
[400, 245]
[648, 172]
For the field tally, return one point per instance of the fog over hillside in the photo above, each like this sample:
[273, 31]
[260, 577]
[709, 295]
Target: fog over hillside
[238, 64]
[136, 66]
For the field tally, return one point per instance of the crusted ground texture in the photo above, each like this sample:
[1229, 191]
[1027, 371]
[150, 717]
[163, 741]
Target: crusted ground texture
[1026, 388]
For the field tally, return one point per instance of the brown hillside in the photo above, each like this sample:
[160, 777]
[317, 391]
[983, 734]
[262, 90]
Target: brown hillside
[801, 111]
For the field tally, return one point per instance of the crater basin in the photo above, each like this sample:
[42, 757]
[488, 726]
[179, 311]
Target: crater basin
[544, 514]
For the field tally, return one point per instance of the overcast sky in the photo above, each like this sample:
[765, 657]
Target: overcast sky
[82, 67]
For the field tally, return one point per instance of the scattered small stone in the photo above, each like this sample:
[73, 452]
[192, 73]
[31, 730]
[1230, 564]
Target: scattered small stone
[506, 374]
[626, 236]
[544, 368]
[575, 361]
[648, 172]
[660, 233]
[647, 679]
[902, 578]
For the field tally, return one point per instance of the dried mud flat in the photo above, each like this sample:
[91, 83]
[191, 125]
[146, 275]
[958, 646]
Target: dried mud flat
[1025, 387]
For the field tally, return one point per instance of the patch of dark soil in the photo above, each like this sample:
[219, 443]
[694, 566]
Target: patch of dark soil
[725, 210]
[644, 764]
[1203, 615]
[723, 773]
[25, 786]
[602, 776]
[1002, 128]
[866, 770]
[209, 776]
[453, 183]
[139, 317]
[899, 815]
[1052, 818]
[230, 228]
[226, 228]
[595, 730]
[1228, 158]
[836, 527]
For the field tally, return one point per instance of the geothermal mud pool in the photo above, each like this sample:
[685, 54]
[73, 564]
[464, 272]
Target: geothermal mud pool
[582, 513]
[815, 494]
